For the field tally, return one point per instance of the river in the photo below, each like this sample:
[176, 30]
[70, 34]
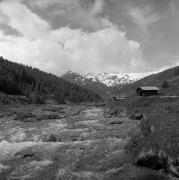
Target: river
[62, 142]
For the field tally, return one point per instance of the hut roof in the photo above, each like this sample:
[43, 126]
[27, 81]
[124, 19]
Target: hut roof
[149, 88]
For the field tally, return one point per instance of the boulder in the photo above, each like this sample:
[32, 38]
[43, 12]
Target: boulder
[51, 138]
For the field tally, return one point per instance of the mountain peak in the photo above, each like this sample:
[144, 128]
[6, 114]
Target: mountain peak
[115, 79]
[105, 83]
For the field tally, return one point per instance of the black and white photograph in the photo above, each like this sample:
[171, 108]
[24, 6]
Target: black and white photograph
[89, 89]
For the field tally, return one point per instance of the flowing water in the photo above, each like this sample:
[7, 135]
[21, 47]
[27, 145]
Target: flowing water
[62, 142]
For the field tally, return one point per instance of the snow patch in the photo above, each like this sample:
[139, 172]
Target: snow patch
[115, 79]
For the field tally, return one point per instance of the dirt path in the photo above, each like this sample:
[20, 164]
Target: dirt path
[80, 143]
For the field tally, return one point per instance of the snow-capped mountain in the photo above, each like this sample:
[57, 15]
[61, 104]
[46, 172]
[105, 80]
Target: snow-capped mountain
[115, 79]
[105, 84]
[92, 84]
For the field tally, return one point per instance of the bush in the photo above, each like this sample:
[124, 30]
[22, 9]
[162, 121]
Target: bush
[153, 161]
[156, 146]
[165, 84]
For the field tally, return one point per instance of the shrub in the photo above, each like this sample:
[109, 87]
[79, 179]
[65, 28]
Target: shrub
[157, 146]
[153, 161]
[165, 84]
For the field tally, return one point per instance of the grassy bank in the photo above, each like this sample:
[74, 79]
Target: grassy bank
[156, 146]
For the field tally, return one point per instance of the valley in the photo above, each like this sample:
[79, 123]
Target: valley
[70, 127]
[104, 84]
[87, 142]
[89, 90]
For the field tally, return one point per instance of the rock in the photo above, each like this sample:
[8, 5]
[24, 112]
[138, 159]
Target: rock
[52, 138]
[28, 156]
[5, 171]
[116, 122]
[114, 111]
[136, 115]
[25, 117]
[173, 167]
[47, 116]
[174, 170]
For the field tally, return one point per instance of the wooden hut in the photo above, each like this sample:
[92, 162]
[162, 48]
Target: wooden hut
[147, 91]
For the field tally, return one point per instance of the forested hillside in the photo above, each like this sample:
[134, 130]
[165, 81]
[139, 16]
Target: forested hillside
[89, 83]
[17, 79]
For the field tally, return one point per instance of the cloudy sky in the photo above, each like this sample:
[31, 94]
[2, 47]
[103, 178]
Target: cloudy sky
[91, 35]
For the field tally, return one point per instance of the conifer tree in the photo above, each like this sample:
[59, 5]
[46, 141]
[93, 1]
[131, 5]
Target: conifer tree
[165, 84]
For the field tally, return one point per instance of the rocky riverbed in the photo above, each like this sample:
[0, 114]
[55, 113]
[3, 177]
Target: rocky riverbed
[63, 142]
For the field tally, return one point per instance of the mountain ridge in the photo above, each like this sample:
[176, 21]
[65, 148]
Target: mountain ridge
[104, 84]
[89, 83]
[115, 79]
[39, 86]
[171, 76]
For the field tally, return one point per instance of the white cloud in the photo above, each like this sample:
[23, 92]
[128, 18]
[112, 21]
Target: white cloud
[58, 51]
[23, 20]
[87, 13]
[46, 3]
[142, 16]
[95, 6]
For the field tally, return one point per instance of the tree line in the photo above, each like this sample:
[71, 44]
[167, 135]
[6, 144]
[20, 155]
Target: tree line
[18, 79]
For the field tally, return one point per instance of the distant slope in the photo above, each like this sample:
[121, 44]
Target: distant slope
[170, 75]
[17, 79]
[89, 83]
[117, 80]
